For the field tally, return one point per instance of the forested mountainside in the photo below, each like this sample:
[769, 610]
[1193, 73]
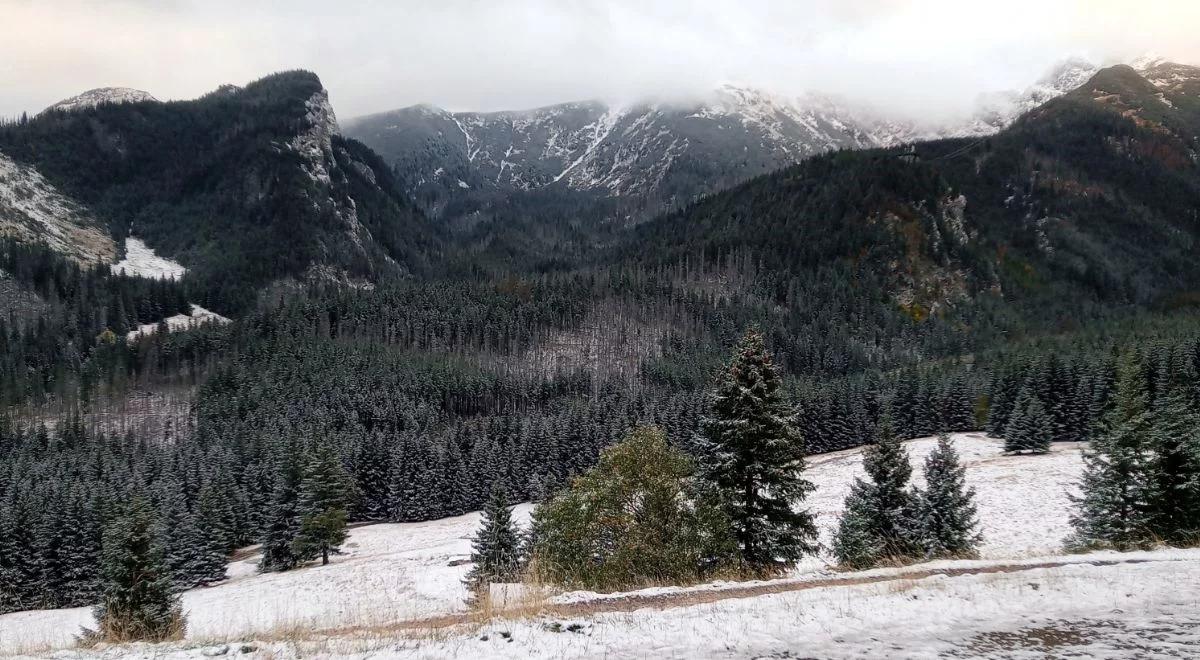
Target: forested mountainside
[1090, 198]
[955, 284]
[243, 186]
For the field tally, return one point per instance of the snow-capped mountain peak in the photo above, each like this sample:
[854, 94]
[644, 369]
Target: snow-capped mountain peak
[101, 95]
[660, 154]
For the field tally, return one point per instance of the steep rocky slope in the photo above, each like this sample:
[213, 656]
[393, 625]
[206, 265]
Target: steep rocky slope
[243, 186]
[32, 209]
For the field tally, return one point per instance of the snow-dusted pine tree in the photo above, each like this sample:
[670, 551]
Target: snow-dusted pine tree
[324, 497]
[496, 549]
[856, 545]
[882, 512]
[138, 603]
[282, 523]
[1175, 440]
[1029, 427]
[949, 527]
[1118, 487]
[752, 451]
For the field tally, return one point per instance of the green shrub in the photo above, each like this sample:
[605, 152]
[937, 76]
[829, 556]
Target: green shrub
[637, 518]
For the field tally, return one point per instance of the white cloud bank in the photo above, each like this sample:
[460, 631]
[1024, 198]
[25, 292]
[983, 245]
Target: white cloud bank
[918, 56]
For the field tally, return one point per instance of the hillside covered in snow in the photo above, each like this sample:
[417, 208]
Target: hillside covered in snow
[394, 577]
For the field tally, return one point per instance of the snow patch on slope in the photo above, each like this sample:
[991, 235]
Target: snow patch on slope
[141, 261]
[32, 209]
[196, 317]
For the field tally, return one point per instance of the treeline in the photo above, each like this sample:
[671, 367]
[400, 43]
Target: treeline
[60, 488]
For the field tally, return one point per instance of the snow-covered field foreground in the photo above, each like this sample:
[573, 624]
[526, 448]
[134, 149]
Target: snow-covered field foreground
[398, 587]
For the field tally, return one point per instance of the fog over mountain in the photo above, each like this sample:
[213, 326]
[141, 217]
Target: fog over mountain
[916, 57]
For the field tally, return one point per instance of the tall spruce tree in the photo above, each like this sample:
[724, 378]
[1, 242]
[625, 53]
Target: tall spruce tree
[881, 520]
[19, 574]
[1175, 441]
[324, 499]
[949, 527]
[496, 548]
[752, 451]
[138, 602]
[1119, 484]
[282, 522]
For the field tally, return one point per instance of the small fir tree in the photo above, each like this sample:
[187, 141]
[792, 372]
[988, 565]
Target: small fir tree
[496, 549]
[138, 603]
[856, 544]
[638, 517]
[1118, 487]
[323, 507]
[883, 522]
[1029, 428]
[947, 508]
[752, 451]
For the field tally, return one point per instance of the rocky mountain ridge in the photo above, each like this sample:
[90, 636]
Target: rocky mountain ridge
[660, 155]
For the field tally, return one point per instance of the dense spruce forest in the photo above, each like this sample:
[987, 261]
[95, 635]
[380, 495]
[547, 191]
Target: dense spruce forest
[993, 284]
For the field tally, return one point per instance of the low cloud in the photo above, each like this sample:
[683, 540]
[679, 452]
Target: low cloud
[917, 57]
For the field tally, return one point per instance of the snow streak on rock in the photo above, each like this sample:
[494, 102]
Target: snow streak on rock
[32, 209]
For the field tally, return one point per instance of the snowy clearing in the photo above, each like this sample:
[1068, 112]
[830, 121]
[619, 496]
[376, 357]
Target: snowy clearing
[1023, 500]
[197, 316]
[141, 261]
[391, 573]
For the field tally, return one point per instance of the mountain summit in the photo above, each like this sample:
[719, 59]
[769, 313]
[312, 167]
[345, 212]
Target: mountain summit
[100, 95]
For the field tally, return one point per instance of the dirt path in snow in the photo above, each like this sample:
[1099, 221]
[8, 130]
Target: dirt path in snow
[632, 602]
[684, 599]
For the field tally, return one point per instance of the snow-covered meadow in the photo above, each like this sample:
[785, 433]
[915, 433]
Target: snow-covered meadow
[391, 573]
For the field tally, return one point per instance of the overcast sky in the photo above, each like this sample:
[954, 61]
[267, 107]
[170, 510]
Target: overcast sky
[916, 56]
